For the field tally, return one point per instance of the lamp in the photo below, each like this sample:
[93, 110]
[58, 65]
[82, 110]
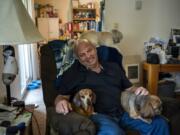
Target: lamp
[16, 27]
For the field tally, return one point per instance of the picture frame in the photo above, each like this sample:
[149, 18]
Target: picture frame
[176, 36]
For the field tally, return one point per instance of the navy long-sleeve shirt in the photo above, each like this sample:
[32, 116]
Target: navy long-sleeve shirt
[107, 85]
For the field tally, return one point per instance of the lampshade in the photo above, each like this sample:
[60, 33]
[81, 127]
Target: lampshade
[16, 26]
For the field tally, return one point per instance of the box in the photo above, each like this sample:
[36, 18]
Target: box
[75, 3]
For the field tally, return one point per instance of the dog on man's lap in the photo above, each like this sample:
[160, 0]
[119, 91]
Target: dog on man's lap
[143, 107]
[83, 102]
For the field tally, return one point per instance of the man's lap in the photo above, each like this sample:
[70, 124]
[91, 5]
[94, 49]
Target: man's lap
[158, 126]
[106, 124]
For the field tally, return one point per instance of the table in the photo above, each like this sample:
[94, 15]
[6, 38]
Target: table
[153, 74]
[15, 119]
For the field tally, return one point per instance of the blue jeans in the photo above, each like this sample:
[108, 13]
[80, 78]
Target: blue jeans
[107, 125]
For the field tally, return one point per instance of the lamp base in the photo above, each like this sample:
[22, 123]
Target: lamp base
[8, 90]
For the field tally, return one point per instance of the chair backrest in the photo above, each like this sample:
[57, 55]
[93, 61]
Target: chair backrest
[55, 60]
[106, 53]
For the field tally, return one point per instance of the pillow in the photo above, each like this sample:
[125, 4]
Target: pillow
[64, 56]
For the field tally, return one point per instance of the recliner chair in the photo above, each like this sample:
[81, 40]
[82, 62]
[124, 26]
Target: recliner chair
[73, 123]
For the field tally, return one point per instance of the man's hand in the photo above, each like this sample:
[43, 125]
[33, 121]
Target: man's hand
[62, 105]
[139, 90]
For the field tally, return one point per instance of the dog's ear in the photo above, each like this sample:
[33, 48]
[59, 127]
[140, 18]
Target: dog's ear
[156, 104]
[93, 98]
[147, 110]
[76, 100]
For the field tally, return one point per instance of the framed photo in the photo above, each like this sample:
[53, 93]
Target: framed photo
[176, 36]
[75, 3]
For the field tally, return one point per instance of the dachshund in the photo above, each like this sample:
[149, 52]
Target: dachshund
[83, 102]
[143, 107]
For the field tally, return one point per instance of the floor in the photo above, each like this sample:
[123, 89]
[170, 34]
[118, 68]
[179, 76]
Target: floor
[39, 115]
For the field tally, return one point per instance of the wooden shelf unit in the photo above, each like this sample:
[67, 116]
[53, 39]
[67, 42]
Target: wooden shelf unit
[84, 19]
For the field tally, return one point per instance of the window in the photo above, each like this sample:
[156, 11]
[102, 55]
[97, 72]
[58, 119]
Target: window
[25, 56]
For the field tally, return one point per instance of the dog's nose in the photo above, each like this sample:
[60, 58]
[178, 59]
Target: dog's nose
[89, 102]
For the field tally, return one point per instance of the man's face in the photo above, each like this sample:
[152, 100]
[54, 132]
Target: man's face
[87, 55]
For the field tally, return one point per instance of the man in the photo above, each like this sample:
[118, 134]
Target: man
[108, 81]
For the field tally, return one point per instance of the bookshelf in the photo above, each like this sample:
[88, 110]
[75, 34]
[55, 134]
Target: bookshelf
[84, 19]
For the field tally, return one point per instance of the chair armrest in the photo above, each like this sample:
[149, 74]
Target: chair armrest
[48, 75]
[72, 123]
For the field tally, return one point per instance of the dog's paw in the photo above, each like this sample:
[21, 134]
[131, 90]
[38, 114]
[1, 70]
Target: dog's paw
[133, 114]
[148, 121]
[94, 113]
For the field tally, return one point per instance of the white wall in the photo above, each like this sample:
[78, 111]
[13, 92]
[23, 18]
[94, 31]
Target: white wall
[156, 18]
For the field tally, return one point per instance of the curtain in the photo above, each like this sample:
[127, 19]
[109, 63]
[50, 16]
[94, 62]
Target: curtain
[27, 56]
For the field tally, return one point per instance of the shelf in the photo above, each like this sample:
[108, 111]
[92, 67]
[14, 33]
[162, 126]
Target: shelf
[80, 31]
[84, 19]
[88, 9]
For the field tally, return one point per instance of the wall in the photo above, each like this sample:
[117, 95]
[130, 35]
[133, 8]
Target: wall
[156, 18]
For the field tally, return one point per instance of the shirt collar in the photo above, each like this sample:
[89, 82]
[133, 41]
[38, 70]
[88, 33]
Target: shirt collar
[83, 68]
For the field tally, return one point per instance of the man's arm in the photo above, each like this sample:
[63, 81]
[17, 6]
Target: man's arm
[62, 104]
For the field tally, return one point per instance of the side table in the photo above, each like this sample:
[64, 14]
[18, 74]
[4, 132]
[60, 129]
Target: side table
[153, 74]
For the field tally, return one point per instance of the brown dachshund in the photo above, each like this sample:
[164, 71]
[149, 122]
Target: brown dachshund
[83, 102]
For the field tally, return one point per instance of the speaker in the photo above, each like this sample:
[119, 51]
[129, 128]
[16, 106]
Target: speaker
[152, 58]
[174, 51]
